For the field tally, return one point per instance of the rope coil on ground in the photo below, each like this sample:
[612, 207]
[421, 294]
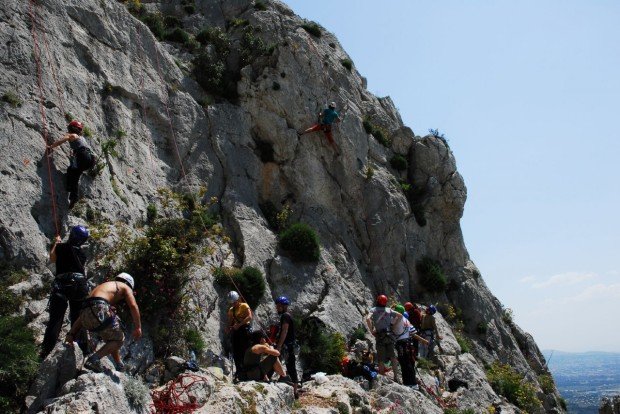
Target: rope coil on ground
[176, 397]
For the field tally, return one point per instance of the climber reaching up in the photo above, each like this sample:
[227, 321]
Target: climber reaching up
[325, 122]
[82, 158]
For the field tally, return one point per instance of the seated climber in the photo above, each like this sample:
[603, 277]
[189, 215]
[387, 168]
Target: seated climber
[82, 158]
[98, 316]
[326, 119]
[261, 360]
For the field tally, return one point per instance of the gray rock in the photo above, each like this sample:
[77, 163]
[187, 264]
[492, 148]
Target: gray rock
[60, 366]
[610, 405]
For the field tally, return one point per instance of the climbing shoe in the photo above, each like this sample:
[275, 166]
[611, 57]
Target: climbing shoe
[93, 363]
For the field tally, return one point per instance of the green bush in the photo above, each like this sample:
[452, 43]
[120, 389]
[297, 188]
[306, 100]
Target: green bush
[378, 132]
[194, 341]
[563, 404]
[151, 213]
[216, 37]
[177, 35]
[426, 364]
[249, 281]
[301, 242]
[431, 275]
[512, 385]
[260, 6]
[321, 349]
[482, 328]
[546, 383]
[312, 28]
[347, 63]
[399, 162]
[358, 334]
[234, 23]
[251, 47]
[155, 22]
[463, 342]
[12, 99]
[87, 132]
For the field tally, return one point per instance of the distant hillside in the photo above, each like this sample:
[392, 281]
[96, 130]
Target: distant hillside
[583, 378]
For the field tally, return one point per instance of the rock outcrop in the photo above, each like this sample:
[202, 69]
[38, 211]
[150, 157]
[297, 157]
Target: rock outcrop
[610, 405]
[239, 145]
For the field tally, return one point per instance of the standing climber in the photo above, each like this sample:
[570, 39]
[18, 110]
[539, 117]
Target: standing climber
[429, 331]
[69, 288]
[82, 158]
[239, 319]
[325, 122]
[379, 322]
[286, 339]
[415, 317]
[99, 316]
[403, 331]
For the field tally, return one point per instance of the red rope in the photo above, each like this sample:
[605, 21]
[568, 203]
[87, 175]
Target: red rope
[176, 397]
[44, 131]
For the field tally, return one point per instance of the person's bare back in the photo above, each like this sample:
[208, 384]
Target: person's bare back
[113, 291]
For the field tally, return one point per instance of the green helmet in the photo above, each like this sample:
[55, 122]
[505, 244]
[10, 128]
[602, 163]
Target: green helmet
[399, 308]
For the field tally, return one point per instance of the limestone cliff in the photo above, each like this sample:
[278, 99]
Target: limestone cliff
[175, 120]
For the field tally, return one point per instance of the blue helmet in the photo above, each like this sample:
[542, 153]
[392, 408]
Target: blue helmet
[78, 235]
[283, 300]
[432, 309]
[406, 315]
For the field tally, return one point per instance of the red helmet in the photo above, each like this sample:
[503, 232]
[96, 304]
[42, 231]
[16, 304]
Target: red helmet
[382, 300]
[76, 126]
[408, 306]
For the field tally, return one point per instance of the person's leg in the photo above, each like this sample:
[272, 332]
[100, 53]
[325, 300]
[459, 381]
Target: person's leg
[313, 128]
[57, 309]
[291, 363]
[109, 348]
[381, 357]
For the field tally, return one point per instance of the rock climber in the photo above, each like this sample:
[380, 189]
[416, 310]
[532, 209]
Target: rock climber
[379, 321]
[402, 330]
[239, 319]
[82, 158]
[285, 342]
[429, 331]
[69, 288]
[99, 316]
[415, 317]
[325, 122]
[261, 360]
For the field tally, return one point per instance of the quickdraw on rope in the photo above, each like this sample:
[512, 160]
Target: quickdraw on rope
[44, 130]
[176, 397]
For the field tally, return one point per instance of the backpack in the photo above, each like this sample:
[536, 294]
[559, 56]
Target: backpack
[382, 320]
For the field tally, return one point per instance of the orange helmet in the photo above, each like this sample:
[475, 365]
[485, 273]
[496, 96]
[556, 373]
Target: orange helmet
[408, 306]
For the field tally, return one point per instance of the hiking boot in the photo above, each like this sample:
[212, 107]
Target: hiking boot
[120, 366]
[287, 380]
[93, 363]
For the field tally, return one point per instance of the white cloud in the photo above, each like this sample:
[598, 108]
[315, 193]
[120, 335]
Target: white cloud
[565, 279]
[527, 279]
[595, 292]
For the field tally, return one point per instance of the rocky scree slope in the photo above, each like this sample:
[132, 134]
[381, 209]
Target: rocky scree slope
[220, 119]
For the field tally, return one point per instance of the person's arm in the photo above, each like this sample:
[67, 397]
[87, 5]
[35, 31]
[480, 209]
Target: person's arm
[135, 312]
[53, 251]
[420, 339]
[245, 320]
[371, 328]
[283, 334]
[266, 349]
[65, 138]
[77, 325]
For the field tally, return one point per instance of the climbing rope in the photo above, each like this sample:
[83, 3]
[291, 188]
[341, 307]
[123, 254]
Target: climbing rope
[440, 401]
[184, 174]
[44, 128]
[141, 86]
[176, 397]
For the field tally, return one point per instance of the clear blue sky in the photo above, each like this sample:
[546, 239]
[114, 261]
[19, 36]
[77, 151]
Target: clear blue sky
[528, 95]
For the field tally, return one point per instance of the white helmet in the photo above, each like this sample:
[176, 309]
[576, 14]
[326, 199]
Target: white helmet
[127, 278]
[332, 105]
[233, 296]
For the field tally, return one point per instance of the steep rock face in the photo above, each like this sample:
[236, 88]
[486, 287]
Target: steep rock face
[102, 65]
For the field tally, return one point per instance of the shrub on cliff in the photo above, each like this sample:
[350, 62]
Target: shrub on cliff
[431, 275]
[512, 385]
[399, 162]
[249, 281]
[301, 242]
[314, 336]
